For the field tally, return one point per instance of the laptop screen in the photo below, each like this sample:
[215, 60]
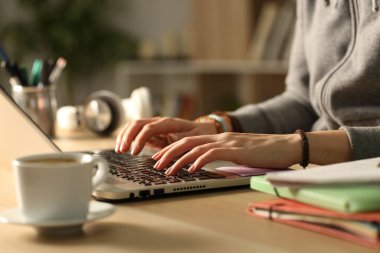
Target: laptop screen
[19, 135]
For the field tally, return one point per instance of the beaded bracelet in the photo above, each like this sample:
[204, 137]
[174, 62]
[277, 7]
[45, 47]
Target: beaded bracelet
[305, 148]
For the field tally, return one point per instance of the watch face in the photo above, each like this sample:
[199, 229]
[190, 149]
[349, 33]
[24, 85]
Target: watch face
[98, 115]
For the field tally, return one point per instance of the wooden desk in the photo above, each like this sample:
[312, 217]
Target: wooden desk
[207, 222]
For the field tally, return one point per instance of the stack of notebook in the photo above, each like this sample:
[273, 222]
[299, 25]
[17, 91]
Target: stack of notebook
[341, 200]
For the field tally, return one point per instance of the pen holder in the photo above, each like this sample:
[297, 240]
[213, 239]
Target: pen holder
[39, 103]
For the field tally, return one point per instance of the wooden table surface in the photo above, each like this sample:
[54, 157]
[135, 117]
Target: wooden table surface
[208, 222]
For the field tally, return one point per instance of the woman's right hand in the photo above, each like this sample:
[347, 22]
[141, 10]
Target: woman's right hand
[159, 132]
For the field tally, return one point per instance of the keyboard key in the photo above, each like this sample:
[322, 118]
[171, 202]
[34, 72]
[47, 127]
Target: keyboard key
[139, 169]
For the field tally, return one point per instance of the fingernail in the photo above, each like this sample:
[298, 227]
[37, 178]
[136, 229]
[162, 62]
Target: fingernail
[134, 150]
[121, 147]
[191, 169]
[157, 164]
[167, 172]
[155, 155]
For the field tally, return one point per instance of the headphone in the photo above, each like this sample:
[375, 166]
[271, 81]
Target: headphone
[103, 112]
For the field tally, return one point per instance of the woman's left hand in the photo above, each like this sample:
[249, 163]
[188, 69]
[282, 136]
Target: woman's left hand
[255, 150]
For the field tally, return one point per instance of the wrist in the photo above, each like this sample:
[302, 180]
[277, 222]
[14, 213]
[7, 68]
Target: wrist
[221, 120]
[304, 141]
[226, 120]
[210, 124]
[209, 127]
[322, 150]
[222, 123]
[296, 152]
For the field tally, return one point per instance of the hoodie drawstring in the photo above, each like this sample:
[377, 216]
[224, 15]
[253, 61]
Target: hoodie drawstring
[375, 6]
[336, 4]
[328, 2]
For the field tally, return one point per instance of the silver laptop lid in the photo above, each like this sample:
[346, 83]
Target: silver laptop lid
[19, 135]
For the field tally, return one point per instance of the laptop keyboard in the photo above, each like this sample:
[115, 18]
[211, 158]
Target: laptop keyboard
[139, 169]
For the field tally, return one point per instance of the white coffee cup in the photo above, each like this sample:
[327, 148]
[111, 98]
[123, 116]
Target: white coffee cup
[57, 186]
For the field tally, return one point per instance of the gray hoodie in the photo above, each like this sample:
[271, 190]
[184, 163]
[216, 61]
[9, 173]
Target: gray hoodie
[333, 79]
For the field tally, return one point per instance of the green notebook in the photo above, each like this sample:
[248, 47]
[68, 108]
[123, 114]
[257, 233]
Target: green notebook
[351, 199]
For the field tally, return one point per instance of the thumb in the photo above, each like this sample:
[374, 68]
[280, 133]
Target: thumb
[173, 137]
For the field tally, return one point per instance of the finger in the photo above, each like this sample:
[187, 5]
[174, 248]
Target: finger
[159, 154]
[178, 148]
[134, 127]
[126, 137]
[173, 137]
[210, 156]
[158, 127]
[191, 156]
[157, 142]
[154, 156]
[119, 137]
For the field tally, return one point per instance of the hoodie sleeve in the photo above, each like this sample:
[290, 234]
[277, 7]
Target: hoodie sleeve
[290, 110]
[365, 141]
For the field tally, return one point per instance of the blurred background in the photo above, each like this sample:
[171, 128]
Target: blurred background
[196, 56]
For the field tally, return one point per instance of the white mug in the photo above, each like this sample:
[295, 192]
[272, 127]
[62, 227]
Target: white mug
[57, 186]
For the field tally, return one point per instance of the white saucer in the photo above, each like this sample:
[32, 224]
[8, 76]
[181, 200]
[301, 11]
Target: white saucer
[97, 210]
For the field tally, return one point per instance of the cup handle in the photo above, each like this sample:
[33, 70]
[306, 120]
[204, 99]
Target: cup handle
[102, 172]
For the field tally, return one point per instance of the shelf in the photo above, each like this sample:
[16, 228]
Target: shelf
[196, 67]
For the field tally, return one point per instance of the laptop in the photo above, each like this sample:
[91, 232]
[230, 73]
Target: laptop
[131, 177]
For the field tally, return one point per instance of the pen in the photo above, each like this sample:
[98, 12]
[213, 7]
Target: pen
[24, 73]
[4, 56]
[8, 68]
[17, 72]
[47, 67]
[5, 62]
[56, 72]
[14, 74]
[35, 75]
[12, 70]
